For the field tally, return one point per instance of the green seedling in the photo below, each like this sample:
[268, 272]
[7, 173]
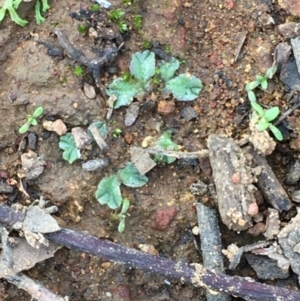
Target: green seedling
[122, 215]
[70, 151]
[82, 28]
[262, 81]
[109, 192]
[137, 21]
[117, 132]
[78, 70]
[146, 44]
[165, 142]
[12, 5]
[116, 16]
[262, 118]
[31, 120]
[184, 87]
[95, 7]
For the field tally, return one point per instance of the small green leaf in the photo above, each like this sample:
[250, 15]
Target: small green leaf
[264, 84]
[121, 226]
[33, 121]
[70, 151]
[109, 193]
[252, 85]
[276, 132]
[258, 108]
[262, 125]
[184, 87]
[251, 96]
[168, 69]
[142, 65]
[125, 206]
[38, 112]
[260, 78]
[24, 128]
[271, 114]
[165, 142]
[131, 177]
[271, 71]
[124, 91]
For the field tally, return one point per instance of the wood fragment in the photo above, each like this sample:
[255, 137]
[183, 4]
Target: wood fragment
[233, 181]
[179, 155]
[269, 185]
[241, 44]
[191, 273]
[211, 246]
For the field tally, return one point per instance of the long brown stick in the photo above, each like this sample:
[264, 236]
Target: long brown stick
[191, 273]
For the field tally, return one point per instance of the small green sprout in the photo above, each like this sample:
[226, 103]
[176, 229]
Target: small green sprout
[82, 28]
[122, 215]
[117, 132]
[263, 119]
[109, 192]
[262, 81]
[137, 21]
[78, 70]
[95, 7]
[31, 120]
[116, 16]
[146, 44]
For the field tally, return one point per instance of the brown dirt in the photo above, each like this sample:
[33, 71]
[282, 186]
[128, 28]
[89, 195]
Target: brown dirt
[205, 34]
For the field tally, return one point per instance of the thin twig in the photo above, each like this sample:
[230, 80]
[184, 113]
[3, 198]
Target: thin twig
[179, 155]
[191, 273]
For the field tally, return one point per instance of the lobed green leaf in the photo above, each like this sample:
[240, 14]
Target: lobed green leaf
[142, 65]
[70, 151]
[168, 69]
[131, 177]
[109, 193]
[124, 91]
[184, 87]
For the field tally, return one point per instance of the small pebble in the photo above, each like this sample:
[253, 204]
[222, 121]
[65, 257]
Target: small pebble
[89, 91]
[32, 141]
[188, 113]
[96, 164]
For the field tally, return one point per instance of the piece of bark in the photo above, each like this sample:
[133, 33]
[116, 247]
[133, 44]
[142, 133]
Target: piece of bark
[191, 273]
[211, 246]
[296, 51]
[293, 175]
[233, 182]
[269, 185]
[266, 268]
[272, 224]
[289, 30]
[289, 240]
[35, 289]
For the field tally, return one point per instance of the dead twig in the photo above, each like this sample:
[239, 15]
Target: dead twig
[191, 273]
[211, 246]
[179, 155]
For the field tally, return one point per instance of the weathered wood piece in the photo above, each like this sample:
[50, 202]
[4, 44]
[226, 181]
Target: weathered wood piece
[269, 185]
[191, 273]
[289, 240]
[211, 246]
[233, 180]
